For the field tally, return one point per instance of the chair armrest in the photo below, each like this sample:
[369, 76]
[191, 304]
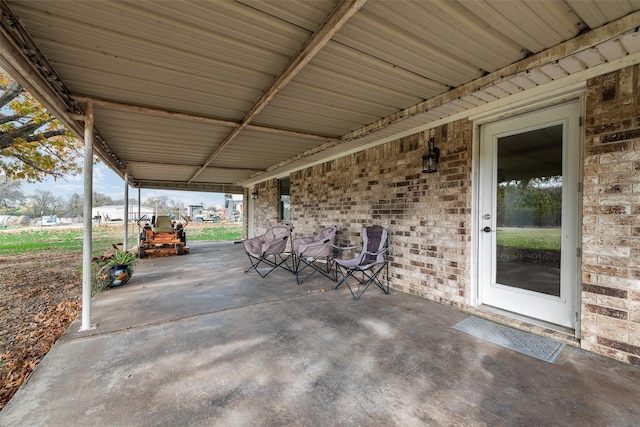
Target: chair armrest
[346, 248]
[381, 251]
[338, 250]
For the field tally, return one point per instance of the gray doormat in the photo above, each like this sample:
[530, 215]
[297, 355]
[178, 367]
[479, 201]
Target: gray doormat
[523, 342]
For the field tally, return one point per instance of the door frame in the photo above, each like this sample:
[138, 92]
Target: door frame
[503, 111]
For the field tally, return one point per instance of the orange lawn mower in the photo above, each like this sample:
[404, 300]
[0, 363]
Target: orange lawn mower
[162, 236]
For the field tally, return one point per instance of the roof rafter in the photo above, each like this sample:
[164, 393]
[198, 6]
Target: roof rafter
[549, 56]
[334, 22]
[197, 118]
[161, 164]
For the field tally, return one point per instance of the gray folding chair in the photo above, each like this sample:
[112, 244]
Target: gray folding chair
[315, 253]
[270, 250]
[367, 266]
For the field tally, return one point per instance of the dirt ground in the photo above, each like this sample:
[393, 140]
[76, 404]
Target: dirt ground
[40, 295]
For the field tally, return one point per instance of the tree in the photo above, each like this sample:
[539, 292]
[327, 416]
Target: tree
[45, 203]
[164, 206]
[161, 204]
[177, 208]
[100, 199]
[33, 144]
[534, 201]
[74, 205]
[11, 196]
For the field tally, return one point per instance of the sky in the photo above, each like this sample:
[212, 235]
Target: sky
[107, 182]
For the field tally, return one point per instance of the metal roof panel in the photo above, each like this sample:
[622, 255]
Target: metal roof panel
[192, 82]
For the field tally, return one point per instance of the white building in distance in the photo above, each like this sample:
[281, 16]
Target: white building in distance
[116, 212]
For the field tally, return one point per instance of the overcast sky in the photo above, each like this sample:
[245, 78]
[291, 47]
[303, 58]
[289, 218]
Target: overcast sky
[105, 181]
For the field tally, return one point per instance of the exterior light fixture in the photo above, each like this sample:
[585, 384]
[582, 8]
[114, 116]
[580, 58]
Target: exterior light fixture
[430, 159]
[254, 194]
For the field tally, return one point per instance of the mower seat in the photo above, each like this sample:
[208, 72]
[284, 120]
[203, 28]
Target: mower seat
[163, 225]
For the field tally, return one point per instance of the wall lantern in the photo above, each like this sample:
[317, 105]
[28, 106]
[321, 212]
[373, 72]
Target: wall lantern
[254, 194]
[430, 159]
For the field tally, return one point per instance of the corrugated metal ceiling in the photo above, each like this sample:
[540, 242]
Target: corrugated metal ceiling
[210, 95]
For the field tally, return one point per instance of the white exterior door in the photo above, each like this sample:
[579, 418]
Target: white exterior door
[528, 214]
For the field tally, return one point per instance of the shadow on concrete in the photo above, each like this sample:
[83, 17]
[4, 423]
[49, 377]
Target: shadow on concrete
[195, 341]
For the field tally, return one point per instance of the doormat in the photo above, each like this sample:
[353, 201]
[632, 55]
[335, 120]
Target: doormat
[523, 342]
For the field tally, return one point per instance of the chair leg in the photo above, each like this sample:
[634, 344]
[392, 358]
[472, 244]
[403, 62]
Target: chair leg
[326, 269]
[297, 261]
[256, 262]
[374, 278]
[365, 282]
[296, 266]
[368, 277]
[345, 275]
[279, 260]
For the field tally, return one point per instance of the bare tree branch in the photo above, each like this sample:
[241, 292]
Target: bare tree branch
[31, 144]
[12, 91]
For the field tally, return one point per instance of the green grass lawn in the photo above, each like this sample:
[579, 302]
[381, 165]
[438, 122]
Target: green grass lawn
[529, 238]
[103, 237]
[65, 239]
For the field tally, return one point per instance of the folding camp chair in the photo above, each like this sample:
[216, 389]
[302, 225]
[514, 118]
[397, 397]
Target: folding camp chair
[368, 265]
[316, 253]
[270, 249]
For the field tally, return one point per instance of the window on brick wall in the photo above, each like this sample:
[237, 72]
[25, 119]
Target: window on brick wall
[284, 192]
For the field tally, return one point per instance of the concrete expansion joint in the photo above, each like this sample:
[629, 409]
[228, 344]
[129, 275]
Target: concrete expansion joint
[94, 332]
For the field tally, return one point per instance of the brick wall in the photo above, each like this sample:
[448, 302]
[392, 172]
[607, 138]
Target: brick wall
[611, 225]
[427, 215]
[265, 212]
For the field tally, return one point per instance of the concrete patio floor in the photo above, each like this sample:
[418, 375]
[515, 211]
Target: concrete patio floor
[195, 341]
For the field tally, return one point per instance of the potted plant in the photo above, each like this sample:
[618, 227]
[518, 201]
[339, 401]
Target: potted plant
[118, 268]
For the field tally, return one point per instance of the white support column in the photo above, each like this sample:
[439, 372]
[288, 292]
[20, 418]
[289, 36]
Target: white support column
[87, 248]
[125, 244]
[139, 216]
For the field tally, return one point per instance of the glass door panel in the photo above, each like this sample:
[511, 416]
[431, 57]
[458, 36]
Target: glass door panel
[529, 210]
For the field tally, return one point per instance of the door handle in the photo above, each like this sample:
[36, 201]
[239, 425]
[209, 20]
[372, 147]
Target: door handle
[487, 229]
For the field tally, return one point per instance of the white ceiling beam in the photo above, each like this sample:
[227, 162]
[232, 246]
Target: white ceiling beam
[159, 112]
[160, 164]
[196, 186]
[548, 56]
[334, 22]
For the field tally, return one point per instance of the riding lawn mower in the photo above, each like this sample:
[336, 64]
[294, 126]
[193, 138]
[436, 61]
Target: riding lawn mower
[162, 236]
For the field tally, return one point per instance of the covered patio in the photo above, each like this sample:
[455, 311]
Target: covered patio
[320, 112]
[195, 340]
